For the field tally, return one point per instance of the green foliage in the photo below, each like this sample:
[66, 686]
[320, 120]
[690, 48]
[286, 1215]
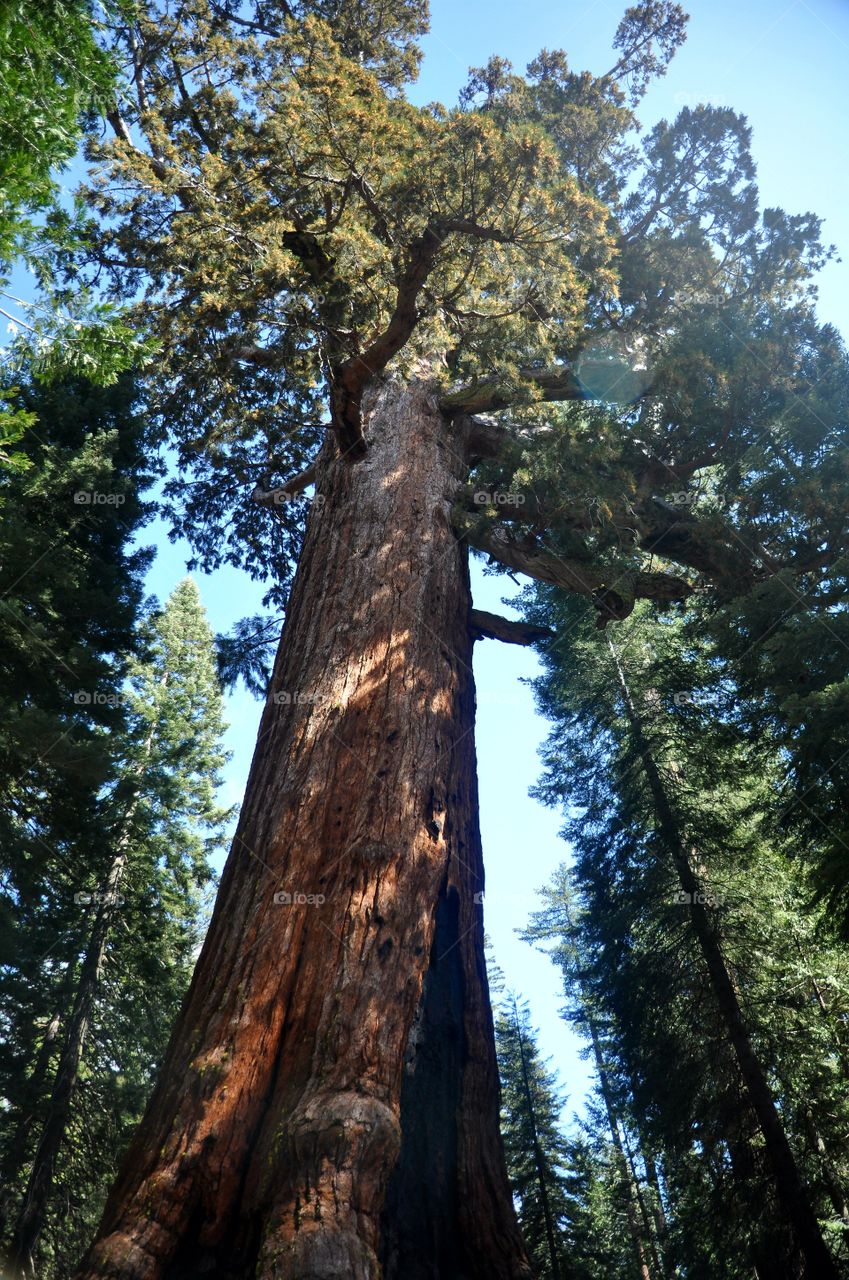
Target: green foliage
[71, 584]
[157, 803]
[71, 596]
[73, 337]
[279, 202]
[630, 960]
[56, 74]
[111, 727]
[13, 424]
[285, 224]
[247, 653]
[53, 70]
[535, 1149]
[278, 218]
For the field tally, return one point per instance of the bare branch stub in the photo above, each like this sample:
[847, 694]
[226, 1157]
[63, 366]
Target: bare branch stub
[491, 626]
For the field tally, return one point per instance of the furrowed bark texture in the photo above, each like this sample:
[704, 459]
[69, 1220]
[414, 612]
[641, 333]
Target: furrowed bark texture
[328, 1048]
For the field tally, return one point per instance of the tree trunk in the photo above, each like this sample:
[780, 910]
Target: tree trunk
[15, 1155]
[336, 1043]
[834, 1025]
[645, 1217]
[830, 1175]
[791, 1190]
[33, 1213]
[624, 1164]
[661, 1226]
[539, 1159]
[623, 1167]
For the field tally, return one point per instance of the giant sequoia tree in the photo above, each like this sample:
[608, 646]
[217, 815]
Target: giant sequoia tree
[504, 326]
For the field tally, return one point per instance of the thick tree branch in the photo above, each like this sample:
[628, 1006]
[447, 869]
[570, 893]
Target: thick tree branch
[225, 15]
[264, 357]
[119, 126]
[292, 487]
[188, 102]
[483, 438]
[351, 377]
[381, 225]
[486, 438]
[680, 536]
[484, 397]
[159, 168]
[467, 227]
[491, 626]
[612, 590]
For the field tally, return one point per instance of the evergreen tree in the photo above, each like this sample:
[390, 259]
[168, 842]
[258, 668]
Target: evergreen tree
[669, 793]
[158, 823]
[53, 70]
[70, 596]
[58, 72]
[534, 1146]
[601, 1239]
[618, 1192]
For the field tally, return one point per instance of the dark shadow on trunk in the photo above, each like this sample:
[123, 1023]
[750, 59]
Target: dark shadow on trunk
[419, 1225]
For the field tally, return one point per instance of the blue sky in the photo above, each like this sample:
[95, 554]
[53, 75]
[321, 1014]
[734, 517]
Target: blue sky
[785, 68]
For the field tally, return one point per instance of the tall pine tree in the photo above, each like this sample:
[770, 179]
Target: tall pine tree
[140, 910]
[534, 1145]
[669, 795]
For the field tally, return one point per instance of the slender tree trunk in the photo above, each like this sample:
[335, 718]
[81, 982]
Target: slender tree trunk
[539, 1161]
[330, 1093]
[14, 1157]
[624, 1168]
[791, 1190]
[661, 1226]
[773, 1252]
[647, 1220]
[658, 1211]
[31, 1219]
[827, 1014]
[33, 1214]
[830, 1175]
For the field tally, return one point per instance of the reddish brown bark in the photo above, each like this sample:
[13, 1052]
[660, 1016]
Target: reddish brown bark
[328, 1052]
